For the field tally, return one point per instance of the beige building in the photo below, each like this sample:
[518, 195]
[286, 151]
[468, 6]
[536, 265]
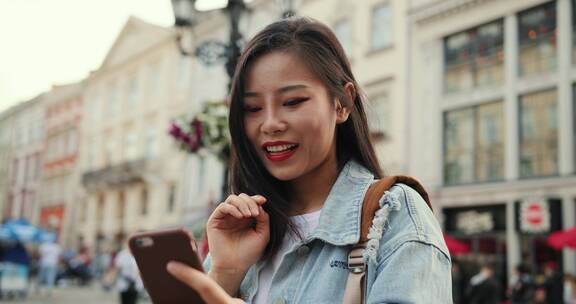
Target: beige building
[373, 34]
[492, 126]
[131, 170]
[6, 140]
[25, 159]
[59, 193]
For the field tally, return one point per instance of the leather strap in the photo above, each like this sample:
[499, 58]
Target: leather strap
[355, 292]
[371, 202]
[356, 276]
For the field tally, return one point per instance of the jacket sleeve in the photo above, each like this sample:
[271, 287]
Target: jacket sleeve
[413, 264]
[416, 272]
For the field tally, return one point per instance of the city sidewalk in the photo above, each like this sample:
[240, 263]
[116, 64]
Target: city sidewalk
[73, 295]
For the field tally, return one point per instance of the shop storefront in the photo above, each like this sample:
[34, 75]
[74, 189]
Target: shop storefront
[535, 220]
[483, 229]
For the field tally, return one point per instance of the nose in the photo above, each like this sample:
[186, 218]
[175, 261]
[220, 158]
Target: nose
[273, 122]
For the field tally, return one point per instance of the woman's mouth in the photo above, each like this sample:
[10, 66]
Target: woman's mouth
[280, 152]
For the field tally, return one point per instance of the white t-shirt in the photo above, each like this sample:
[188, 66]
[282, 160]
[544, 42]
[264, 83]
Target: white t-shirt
[49, 254]
[305, 224]
[127, 270]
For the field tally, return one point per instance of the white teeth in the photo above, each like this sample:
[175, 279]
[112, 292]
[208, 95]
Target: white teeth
[279, 148]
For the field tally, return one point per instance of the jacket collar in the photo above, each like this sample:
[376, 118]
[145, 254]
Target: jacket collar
[339, 222]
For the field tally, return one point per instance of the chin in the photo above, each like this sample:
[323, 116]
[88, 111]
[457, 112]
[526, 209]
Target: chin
[284, 174]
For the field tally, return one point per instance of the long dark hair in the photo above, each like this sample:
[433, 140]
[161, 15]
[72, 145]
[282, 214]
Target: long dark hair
[316, 44]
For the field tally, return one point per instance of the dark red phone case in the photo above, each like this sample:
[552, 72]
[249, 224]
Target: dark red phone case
[168, 245]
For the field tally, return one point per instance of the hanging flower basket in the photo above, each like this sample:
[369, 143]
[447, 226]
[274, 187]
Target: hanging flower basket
[204, 132]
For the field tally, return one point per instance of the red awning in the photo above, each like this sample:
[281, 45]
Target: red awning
[456, 247]
[563, 238]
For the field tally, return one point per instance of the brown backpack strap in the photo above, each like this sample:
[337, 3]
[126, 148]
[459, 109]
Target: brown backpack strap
[355, 291]
[371, 202]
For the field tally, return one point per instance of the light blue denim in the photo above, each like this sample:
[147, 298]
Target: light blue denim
[412, 265]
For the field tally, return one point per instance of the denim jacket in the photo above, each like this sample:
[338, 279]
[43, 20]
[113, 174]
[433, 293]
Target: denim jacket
[412, 264]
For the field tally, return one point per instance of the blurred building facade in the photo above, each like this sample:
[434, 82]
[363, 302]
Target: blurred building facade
[60, 183]
[373, 34]
[492, 126]
[25, 148]
[6, 123]
[130, 170]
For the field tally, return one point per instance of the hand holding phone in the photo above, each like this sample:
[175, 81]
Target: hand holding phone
[152, 251]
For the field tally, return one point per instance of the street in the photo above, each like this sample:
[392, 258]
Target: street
[73, 295]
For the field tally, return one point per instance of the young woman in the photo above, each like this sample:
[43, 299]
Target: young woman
[302, 162]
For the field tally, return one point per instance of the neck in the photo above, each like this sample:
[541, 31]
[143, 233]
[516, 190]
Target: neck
[310, 190]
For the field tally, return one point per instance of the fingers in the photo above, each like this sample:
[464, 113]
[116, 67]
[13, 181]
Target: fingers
[250, 204]
[247, 206]
[207, 288]
[262, 220]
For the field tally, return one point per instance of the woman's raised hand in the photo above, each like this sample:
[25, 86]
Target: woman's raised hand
[238, 231]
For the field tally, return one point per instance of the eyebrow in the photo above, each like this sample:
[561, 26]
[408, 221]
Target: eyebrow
[281, 90]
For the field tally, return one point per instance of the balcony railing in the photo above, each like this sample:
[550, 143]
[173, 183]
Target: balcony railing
[124, 173]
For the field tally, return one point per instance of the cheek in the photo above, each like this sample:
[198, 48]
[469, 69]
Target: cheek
[250, 130]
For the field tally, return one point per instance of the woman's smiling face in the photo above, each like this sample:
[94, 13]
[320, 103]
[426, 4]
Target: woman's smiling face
[289, 115]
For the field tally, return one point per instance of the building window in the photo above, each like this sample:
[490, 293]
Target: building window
[154, 71]
[574, 120]
[343, 31]
[38, 166]
[150, 144]
[133, 90]
[474, 144]
[144, 201]
[201, 175]
[381, 27]
[474, 58]
[113, 102]
[537, 40]
[379, 109]
[538, 134]
[184, 70]
[100, 209]
[171, 198]
[121, 205]
[131, 146]
[109, 151]
[95, 108]
[72, 141]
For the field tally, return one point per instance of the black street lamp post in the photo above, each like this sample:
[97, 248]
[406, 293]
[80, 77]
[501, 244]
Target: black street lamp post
[211, 52]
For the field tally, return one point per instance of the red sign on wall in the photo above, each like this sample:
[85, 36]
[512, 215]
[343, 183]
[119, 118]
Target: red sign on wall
[534, 216]
[52, 217]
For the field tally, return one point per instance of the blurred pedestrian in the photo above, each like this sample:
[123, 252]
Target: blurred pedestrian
[522, 285]
[101, 262]
[484, 287]
[457, 283]
[553, 284]
[569, 289]
[124, 272]
[48, 268]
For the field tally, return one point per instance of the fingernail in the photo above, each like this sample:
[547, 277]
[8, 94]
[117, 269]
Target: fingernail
[172, 267]
[260, 197]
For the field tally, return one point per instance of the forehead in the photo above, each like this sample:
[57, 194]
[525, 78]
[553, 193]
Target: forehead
[278, 68]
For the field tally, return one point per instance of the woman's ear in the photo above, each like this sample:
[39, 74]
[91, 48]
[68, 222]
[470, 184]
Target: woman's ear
[342, 112]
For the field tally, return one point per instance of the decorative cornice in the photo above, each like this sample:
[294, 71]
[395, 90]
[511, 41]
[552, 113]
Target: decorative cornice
[434, 10]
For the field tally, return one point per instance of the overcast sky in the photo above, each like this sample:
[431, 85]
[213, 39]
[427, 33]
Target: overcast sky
[46, 42]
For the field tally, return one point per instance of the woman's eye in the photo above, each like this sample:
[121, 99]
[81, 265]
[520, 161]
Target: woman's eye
[295, 101]
[251, 110]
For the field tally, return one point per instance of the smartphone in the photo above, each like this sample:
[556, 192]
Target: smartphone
[152, 251]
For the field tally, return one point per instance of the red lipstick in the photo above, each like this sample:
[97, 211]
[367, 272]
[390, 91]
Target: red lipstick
[279, 156]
